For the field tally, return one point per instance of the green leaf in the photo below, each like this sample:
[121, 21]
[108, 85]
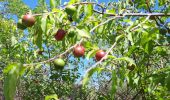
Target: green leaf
[149, 46]
[118, 38]
[78, 13]
[12, 74]
[44, 23]
[73, 1]
[130, 60]
[90, 73]
[111, 57]
[131, 50]
[167, 10]
[38, 38]
[83, 33]
[88, 10]
[52, 4]
[100, 29]
[112, 11]
[51, 97]
[130, 38]
[167, 80]
[91, 53]
[13, 40]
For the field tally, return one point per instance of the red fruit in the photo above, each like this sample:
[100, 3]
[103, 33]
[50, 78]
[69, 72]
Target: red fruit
[40, 52]
[79, 51]
[100, 54]
[60, 34]
[28, 20]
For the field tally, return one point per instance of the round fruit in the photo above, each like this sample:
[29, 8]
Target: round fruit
[100, 54]
[20, 25]
[28, 20]
[79, 51]
[59, 63]
[70, 9]
[131, 67]
[60, 34]
[40, 52]
[152, 17]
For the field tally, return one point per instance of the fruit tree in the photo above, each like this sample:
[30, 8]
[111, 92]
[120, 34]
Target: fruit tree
[87, 49]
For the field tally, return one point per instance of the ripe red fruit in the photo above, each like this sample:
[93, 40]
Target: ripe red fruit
[79, 51]
[28, 20]
[60, 34]
[100, 54]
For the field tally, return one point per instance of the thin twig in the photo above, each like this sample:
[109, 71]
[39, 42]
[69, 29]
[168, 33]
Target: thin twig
[109, 14]
[147, 3]
[103, 23]
[52, 59]
[64, 6]
[140, 24]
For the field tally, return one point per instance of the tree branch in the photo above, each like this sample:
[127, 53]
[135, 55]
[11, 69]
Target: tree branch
[109, 14]
[147, 3]
[51, 59]
[104, 23]
[140, 24]
[99, 62]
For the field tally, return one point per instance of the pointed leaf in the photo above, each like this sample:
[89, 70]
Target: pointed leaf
[44, 23]
[88, 9]
[38, 38]
[12, 75]
[52, 4]
[91, 53]
[83, 33]
[90, 73]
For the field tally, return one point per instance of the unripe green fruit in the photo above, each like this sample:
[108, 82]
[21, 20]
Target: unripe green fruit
[20, 25]
[70, 9]
[72, 32]
[59, 63]
[131, 67]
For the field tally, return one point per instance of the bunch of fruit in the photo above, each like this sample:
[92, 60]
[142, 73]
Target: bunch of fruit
[28, 20]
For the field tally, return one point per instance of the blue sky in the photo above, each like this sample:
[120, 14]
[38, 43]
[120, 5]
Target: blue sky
[33, 3]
